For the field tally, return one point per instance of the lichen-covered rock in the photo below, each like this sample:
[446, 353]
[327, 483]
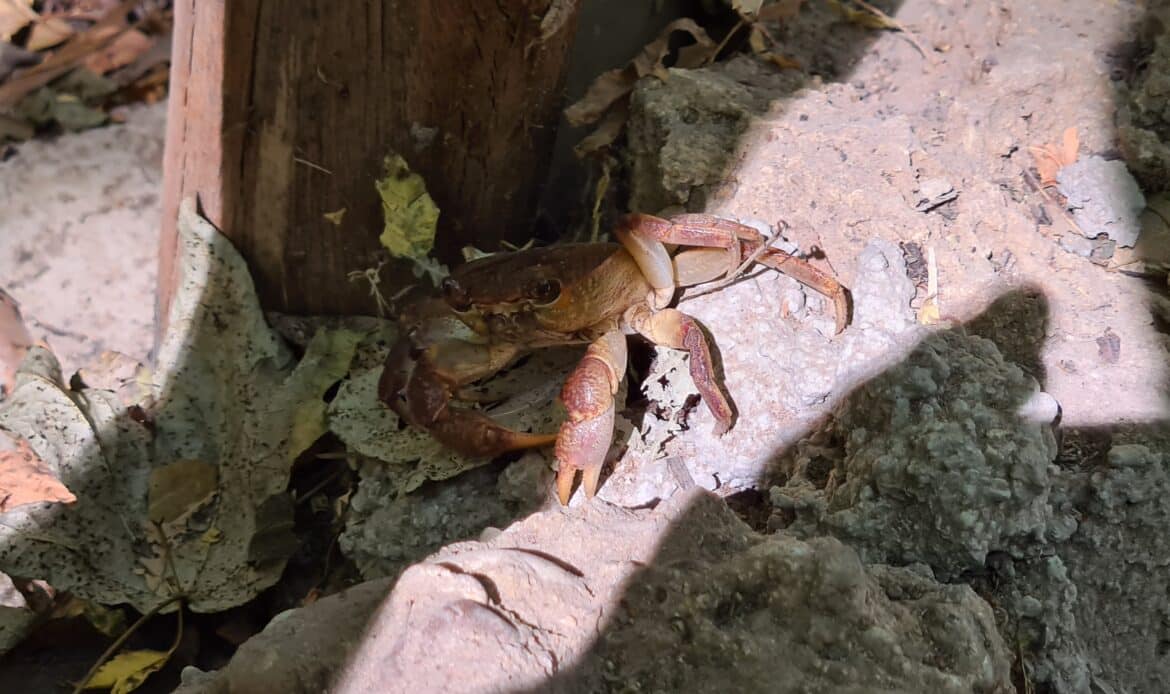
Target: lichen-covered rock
[798, 616]
[1144, 119]
[1119, 563]
[931, 462]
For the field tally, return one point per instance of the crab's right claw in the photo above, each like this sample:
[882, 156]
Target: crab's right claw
[586, 435]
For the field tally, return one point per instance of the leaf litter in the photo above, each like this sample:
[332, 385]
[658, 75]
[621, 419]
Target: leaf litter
[182, 502]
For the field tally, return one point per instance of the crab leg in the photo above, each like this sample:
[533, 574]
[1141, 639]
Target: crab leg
[586, 435]
[740, 242]
[419, 393]
[675, 329]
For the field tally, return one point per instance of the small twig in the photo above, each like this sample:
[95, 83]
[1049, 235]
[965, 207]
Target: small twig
[117, 644]
[899, 26]
[598, 198]
[311, 165]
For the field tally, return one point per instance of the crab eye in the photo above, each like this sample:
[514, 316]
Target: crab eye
[455, 295]
[545, 291]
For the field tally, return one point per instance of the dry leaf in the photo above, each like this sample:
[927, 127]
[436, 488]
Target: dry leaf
[748, 8]
[335, 218]
[613, 88]
[68, 56]
[25, 478]
[864, 17]
[124, 50]
[606, 132]
[779, 11]
[14, 16]
[14, 341]
[47, 33]
[127, 671]
[1051, 158]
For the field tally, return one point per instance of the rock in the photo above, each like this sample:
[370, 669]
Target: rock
[684, 597]
[1104, 199]
[299, 651]
[934, 448]
[683, 133]
[800, 617]
[934, 192]
[1143, 129]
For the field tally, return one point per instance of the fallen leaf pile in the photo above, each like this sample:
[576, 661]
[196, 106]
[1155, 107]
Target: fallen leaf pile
[65, 64]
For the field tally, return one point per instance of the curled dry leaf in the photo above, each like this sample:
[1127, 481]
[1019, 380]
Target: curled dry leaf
[14, 341]
[1051, 158]
[25, 478]
[612, 89]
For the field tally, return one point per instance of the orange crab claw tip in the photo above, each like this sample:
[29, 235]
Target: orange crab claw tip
[589, 479]
[566, 474]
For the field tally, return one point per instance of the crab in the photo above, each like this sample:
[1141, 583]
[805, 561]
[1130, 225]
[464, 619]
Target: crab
[496, 309]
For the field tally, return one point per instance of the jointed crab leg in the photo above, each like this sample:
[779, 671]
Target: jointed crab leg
[585, 436]
[421, 394]
[740, 240]
[675, 329]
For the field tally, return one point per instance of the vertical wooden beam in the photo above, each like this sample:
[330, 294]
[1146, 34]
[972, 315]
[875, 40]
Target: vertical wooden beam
[284, 111]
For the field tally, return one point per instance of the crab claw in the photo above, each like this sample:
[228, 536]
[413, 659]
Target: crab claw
[585, 436]
[582, 446]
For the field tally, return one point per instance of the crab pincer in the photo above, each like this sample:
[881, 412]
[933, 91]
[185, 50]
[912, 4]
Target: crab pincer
[588, 393]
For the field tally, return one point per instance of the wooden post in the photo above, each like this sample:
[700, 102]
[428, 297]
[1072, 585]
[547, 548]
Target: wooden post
[282, 112]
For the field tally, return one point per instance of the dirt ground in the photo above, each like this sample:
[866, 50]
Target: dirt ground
[906, 157]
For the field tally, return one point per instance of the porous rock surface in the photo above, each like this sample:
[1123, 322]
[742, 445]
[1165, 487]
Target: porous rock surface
[933, 462]
[536, 608]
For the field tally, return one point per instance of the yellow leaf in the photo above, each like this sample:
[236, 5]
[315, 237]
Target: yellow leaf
[335, 218]
[125, 672]
[409, 214]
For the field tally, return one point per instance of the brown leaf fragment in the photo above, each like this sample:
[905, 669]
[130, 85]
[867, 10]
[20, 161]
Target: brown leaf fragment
[68, 56]
[25, 478]
[613, 88]
[779, 11]
[605, 91]
[47, 33]
[1109, 347]
[605, 133]
[1051, 158]
[14, 16]
[14, 341]
[123, 51]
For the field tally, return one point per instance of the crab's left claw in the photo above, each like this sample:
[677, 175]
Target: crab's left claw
[586, 435]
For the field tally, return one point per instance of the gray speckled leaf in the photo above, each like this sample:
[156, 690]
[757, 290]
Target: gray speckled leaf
[227, 395]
